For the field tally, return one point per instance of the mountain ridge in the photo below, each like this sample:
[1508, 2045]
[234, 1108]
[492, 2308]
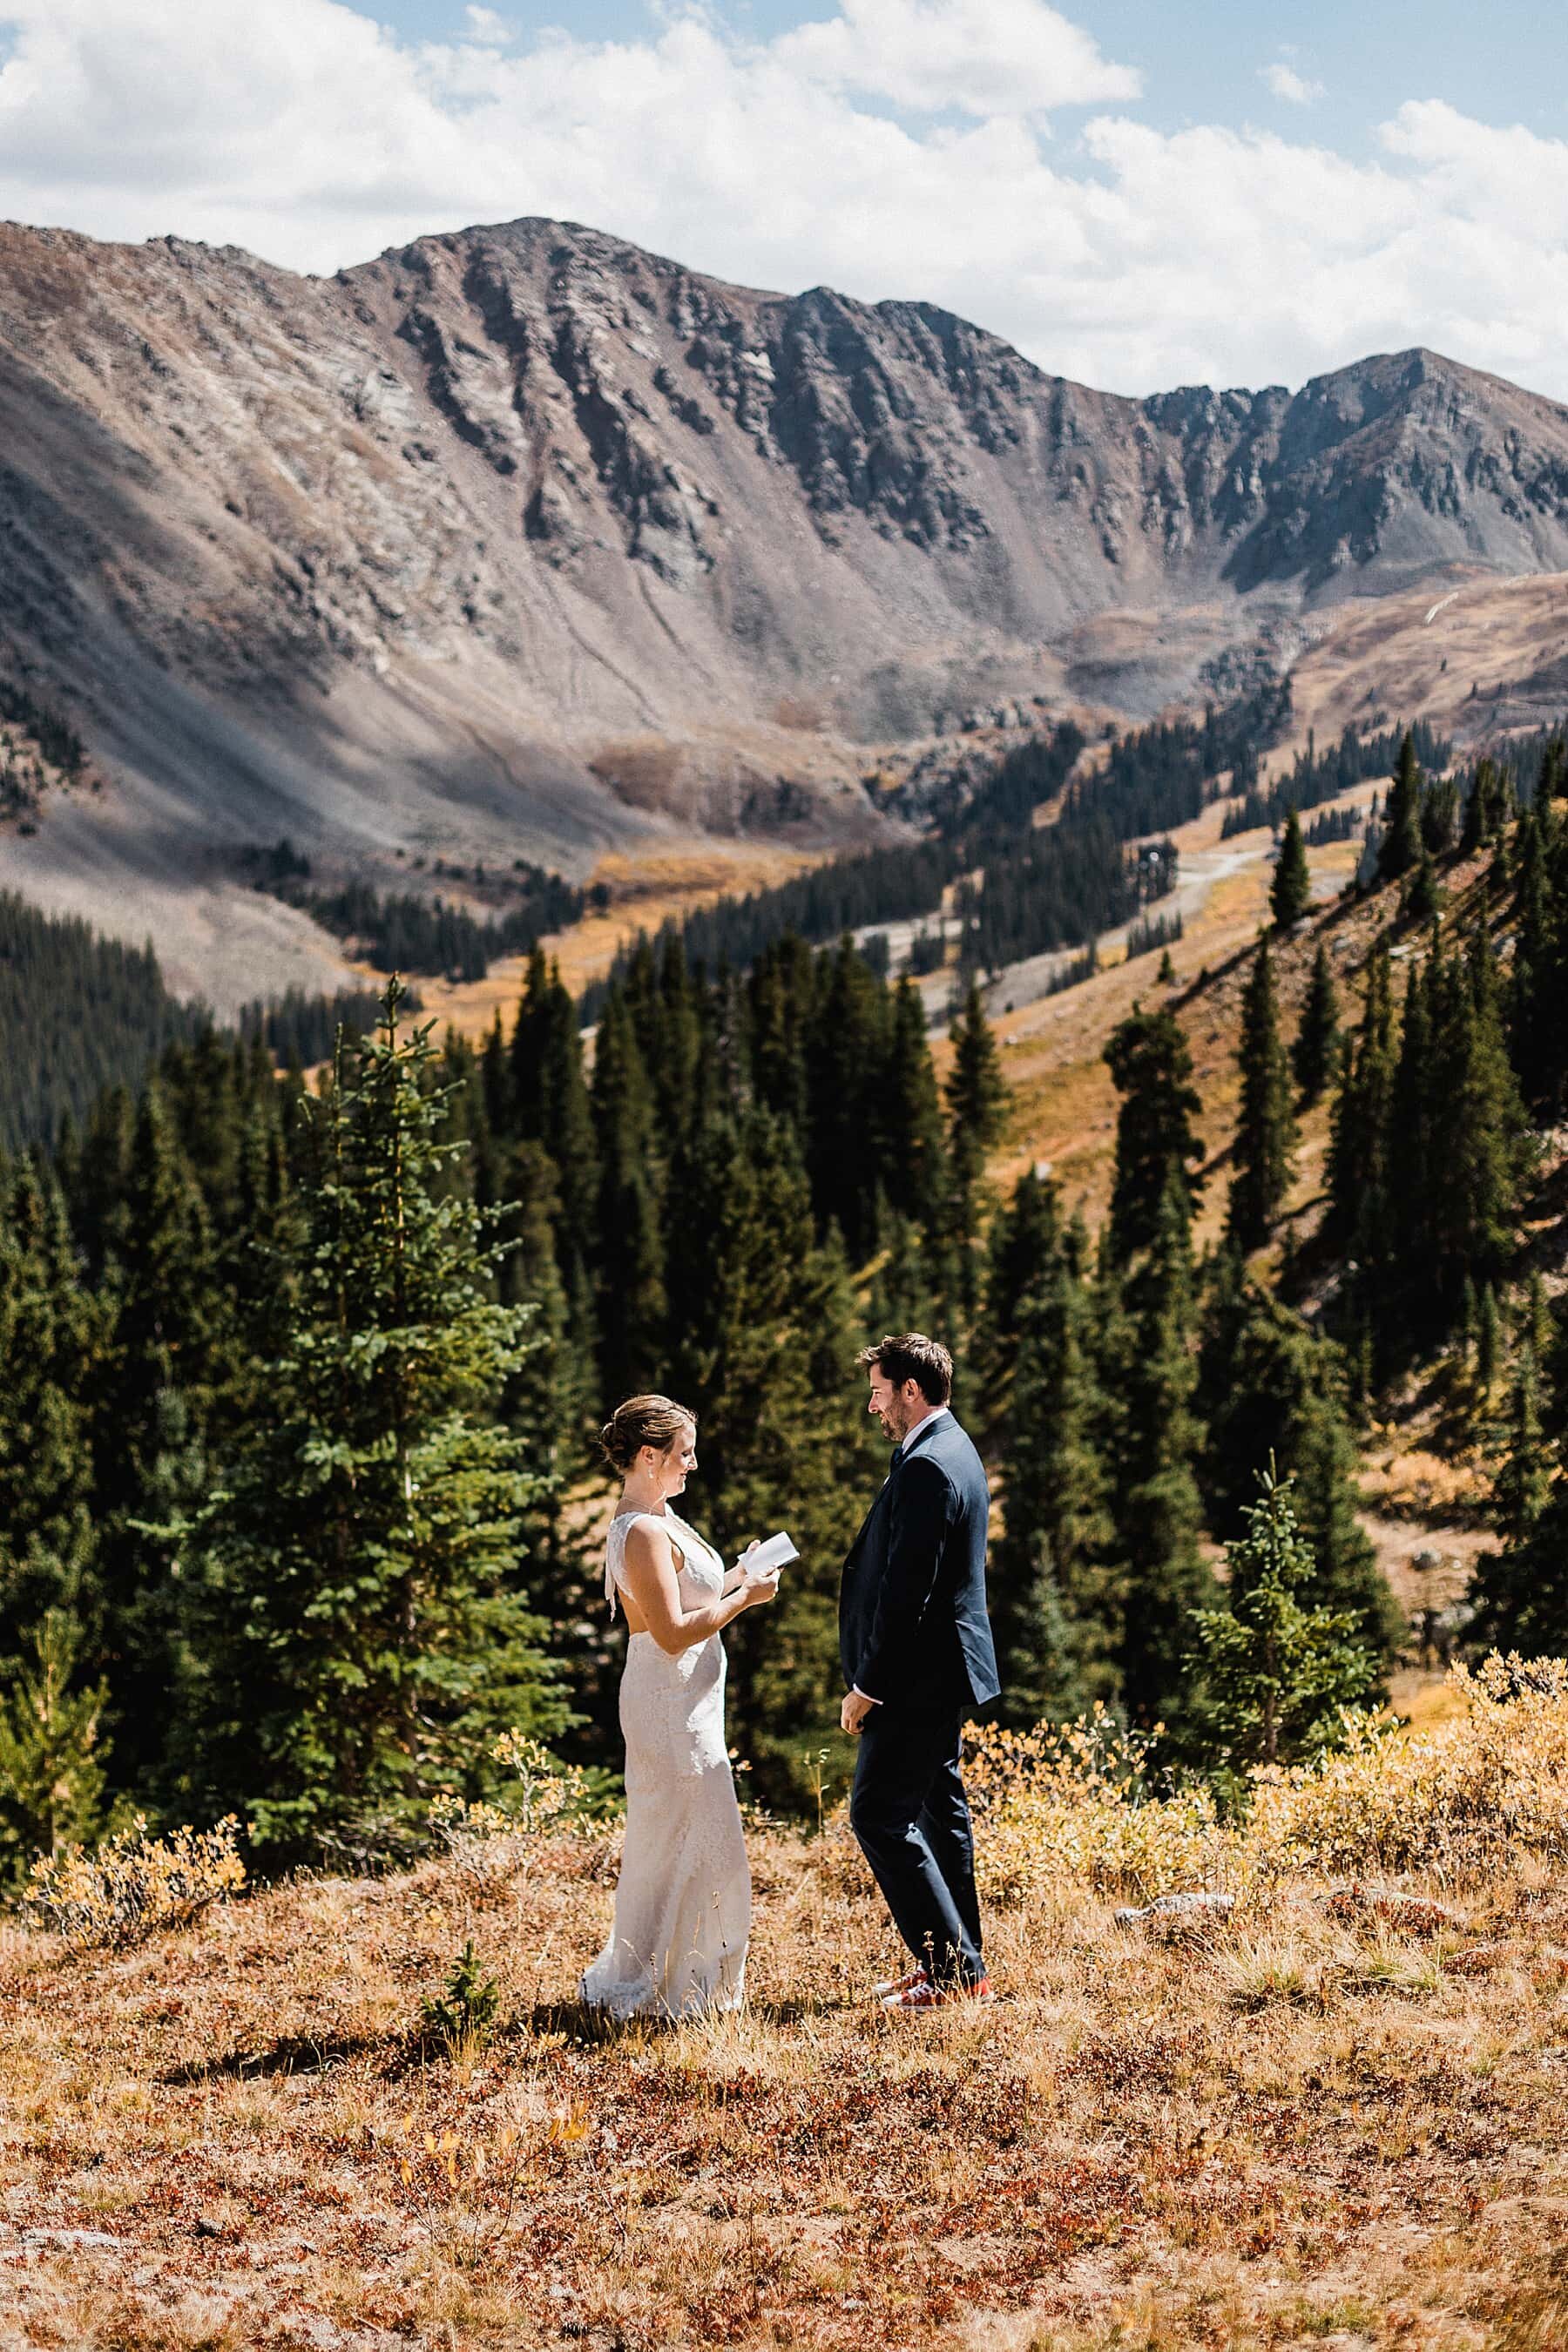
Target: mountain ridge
[522, 541]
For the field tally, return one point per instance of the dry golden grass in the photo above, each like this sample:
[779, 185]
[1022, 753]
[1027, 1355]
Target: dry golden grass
[1422, 651]
[1335, 2118]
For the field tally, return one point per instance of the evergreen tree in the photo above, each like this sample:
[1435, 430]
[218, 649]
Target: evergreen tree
[1024, 1244]
[1290, 892]
[1401, 846]
[1420, 901]
[977, 1104]
[51, 1763]
[1521, 1487]
[52, 1334]
[172, 1355]
[548, 1103]
[1275, 1674]
[1156, 1135]
[1313, 1053]
[1154, 1503]
[1055, 1611]
[1266, 1132]
[911, 1147]
[1269, 1389]
[353, 1635]
[1358, 1172]
[631, 1269]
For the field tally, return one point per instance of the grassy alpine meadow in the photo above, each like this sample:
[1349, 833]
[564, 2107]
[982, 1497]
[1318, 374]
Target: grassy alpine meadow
[1330, 2113]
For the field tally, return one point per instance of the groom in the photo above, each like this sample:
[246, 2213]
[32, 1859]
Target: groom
[916, 1647]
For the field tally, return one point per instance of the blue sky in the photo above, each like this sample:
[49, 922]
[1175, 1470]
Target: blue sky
[1136, 192]
[1202, 59]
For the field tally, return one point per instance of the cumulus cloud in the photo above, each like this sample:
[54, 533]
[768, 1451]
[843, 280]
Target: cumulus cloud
[984, 56]
[899, 148]
[1283, 81]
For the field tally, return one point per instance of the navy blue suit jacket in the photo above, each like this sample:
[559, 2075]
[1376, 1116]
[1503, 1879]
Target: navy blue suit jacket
[912, 1627]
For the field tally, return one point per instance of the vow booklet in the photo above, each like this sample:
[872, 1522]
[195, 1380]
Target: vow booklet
[777, 1552]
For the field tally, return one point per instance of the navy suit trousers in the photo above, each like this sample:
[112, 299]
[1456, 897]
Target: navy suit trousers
[908, 1812]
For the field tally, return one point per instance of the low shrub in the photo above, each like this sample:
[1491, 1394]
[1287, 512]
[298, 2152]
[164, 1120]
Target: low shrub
[132, 1886]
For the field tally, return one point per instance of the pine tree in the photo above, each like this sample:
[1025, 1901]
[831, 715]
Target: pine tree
[1053, 1610]
[1155, 1505]
[53, 1331]
[1290, 892]
[1358, 1171]
[1401, 846]
[1421, 899]
[1313, 1053]
[910, 1146]
[1024, 1244]
[1270, 1390]
[1275, 1674]
[1266, 1132]
[353, 1635]
[976, 1105]
[172, 1355]
[51, 1761]
[631, 1270]
[1156, 1135]
[1521, 1487]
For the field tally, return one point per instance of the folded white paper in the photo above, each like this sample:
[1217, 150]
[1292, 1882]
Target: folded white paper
[776, 1553]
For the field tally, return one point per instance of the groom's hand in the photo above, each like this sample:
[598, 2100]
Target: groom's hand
[853, 1713]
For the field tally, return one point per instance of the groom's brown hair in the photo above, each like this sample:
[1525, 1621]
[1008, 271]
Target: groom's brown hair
[912, 1357]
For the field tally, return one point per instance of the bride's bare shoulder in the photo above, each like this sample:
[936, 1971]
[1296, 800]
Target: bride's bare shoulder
[647, 1543]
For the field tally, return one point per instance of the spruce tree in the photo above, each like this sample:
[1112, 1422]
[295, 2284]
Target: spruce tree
[910, 1145]
[1154, 1502]
[1421, 899]
[1358, 1211]
[976, 1105]
[1290, 892]
[1055, 1609]
[1265, 1130]
[53, 1331]
[1521, 1487]
[1312, 1056]
[1157, 1140]
[630, 1268]
[1269, 1388]
[1024, 1244]
[1401, 845]
[355, 1637]
[1274, 1673]
[51, 1760]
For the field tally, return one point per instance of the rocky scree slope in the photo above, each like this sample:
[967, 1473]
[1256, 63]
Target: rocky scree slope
[523, 540]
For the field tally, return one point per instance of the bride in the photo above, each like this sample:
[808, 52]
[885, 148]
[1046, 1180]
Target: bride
[683, 1908]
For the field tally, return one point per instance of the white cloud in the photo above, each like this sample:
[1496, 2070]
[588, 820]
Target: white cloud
[1121, 255]
[982, 57]
[490, 30]
[1285, 82]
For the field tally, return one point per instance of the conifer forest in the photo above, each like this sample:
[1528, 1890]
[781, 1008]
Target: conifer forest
[298, 1499]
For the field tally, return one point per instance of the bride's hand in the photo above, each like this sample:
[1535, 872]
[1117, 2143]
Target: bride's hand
[756, 1587]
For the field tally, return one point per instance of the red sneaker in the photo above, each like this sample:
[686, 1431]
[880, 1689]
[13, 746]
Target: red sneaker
[925, 1995]
[891, 1985]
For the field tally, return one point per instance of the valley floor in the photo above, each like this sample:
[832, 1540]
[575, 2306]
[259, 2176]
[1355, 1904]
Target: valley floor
[1327, 2122]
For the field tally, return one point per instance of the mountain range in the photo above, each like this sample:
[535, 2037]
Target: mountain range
[525, 543]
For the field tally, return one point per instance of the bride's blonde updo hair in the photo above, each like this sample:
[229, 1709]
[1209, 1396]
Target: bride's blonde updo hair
[655, 1421]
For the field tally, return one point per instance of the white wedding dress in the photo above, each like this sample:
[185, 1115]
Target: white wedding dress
[683, 1908]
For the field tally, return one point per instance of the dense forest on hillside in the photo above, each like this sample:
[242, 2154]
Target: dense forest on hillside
[250, 1326]
[402, 931]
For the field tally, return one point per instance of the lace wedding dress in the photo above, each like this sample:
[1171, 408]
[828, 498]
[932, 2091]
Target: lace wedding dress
[683, 1908]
